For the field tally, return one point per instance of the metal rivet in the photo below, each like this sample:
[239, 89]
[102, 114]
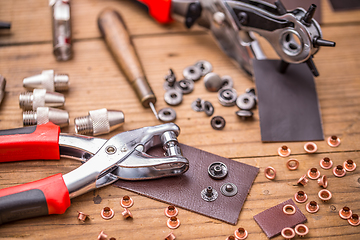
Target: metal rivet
[240, 233]
[126, 213]
[126, 201]
[302, 180]
[107, 213]
[354, 220]
[171, 211]
[173, 223]
[82, 216]
[218, 123]
[167, 115]
[323, 182]
[345, 213]
[313, 173]
[217, 170]
[326, 163]
[312, 207]
[228, 189]
[333, 141]
[349, 165]
[209, 194]
[102, 236]
[284, 151]
[185, 86]
[110, 150]
[204, 66]
[227, 97]
[173, 97]
[339, 171]
[193, 73]
[246, 101]
[300, 197]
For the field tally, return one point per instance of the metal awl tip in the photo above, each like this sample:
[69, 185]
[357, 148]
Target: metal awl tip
[154, 110]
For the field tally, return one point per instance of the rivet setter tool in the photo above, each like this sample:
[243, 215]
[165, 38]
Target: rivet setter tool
[104, 161]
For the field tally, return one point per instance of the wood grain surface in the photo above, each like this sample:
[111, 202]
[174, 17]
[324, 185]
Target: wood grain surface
[96, 82]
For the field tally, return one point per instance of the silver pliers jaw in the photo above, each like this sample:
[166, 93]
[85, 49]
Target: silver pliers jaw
[122, 157]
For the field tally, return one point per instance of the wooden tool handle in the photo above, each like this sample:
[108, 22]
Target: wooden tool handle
[114, 31]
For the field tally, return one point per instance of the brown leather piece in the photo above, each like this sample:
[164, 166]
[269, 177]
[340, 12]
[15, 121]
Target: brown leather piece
[273, 220]
[185, 191]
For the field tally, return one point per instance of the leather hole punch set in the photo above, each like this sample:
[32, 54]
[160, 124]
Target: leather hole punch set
[150, 160]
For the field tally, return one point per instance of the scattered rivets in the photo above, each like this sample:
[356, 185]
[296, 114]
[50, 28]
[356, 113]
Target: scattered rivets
[107, 213]
[313, 173]
[228, 189]
[310, 147]
[349, 165]
[126, 213]
[289, 209]
[209, 194]
[323, 182]
[325, 195]
[270, 173]
[312, 207]
[126, 201]
[284, 151]
[300, 197]
[217, 170]
[288, 233]
[292, 164]
[240, 233]
[339, 171]
[227, 97]
[171, 236]
[333, 141]
[171, 211]
[326, 163]
[302, 180]
[173, 223]
[193, 73]
[345, 213]
[102, 236]
[82, 216]
[301, 230]
[218, 123]
[354, 220]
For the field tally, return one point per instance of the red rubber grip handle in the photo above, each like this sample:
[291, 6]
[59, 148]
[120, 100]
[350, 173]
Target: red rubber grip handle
[29, 143]
[159, 9]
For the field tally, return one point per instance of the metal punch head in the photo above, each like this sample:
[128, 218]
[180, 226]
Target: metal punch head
[185, 86]
[204, 66]
[192, 73]
[173, 97]
[167, 115]
[227, 97]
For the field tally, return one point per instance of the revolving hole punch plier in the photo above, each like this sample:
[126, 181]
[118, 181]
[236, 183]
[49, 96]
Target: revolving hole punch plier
[104, 161]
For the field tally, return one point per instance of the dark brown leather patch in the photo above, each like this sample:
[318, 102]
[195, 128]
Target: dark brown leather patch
[185, 191]
[273, 220]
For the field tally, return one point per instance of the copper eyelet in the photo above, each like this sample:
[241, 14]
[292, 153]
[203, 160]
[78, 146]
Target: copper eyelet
[107, 213]
[240, 233]
[230, 238]
[312, 207]
[323, 182]
[301, 230]
[354, 220]
[126, 213]
[303, 180]
[339, 171]
[173, 223]
[102, 236]
[82, 216]
[326, 163]
[313, 173]
[289, 209]
[270, 173]
[345, 213]
[325, 195]
[292, 164]
[126, 202]
[171, 211]
[171, 236]
[288, 233]
[310, 147]
[300, 197]
[284, 151]
[349, 165]
[333, 141]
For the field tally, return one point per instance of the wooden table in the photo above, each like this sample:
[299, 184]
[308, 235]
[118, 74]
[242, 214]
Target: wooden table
[96, 82]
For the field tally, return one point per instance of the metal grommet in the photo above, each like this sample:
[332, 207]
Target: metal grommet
[289, 209]
[82, 216]
[270, 173]
[240, 233]
[325, 195]
[354, 220]
[333, 141]
[185, 86]
[310, 147]
[326, 163]
[171, 211]
[300, 197]
[126, 201]
[245, 101]
[345, 213]
[323, 182]
[173, 223]
[228, 189]
[349, 165]
[302, 180]
[244, 114]
[301, 230]
[218, 123]
[230, 238]
[208, 108]
[204, 66]
[227, 97]
[110, 149]
[107, 213]
[284, 151]
[126, 213]
[209, 194]
[102, 236]
[292, 164]
[171, 236]
[213, 82]
[227, 82]
[173, 97]
[312, 207]
[193, 73]
[167, 114]
[217, 170]
[339, 171]
[170, 80]
[288, 233]
[313, 173]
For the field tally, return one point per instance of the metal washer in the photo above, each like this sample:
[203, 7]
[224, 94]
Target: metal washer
[167, 114]
[204, 66]
[246, 101]
[192, 72]
[173, 97]
[185, 86]
[224, 189]
[217, 170]
[227, 97]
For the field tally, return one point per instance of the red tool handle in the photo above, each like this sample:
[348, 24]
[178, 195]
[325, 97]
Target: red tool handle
[43, 197]
[159, 9]
[29, 143]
